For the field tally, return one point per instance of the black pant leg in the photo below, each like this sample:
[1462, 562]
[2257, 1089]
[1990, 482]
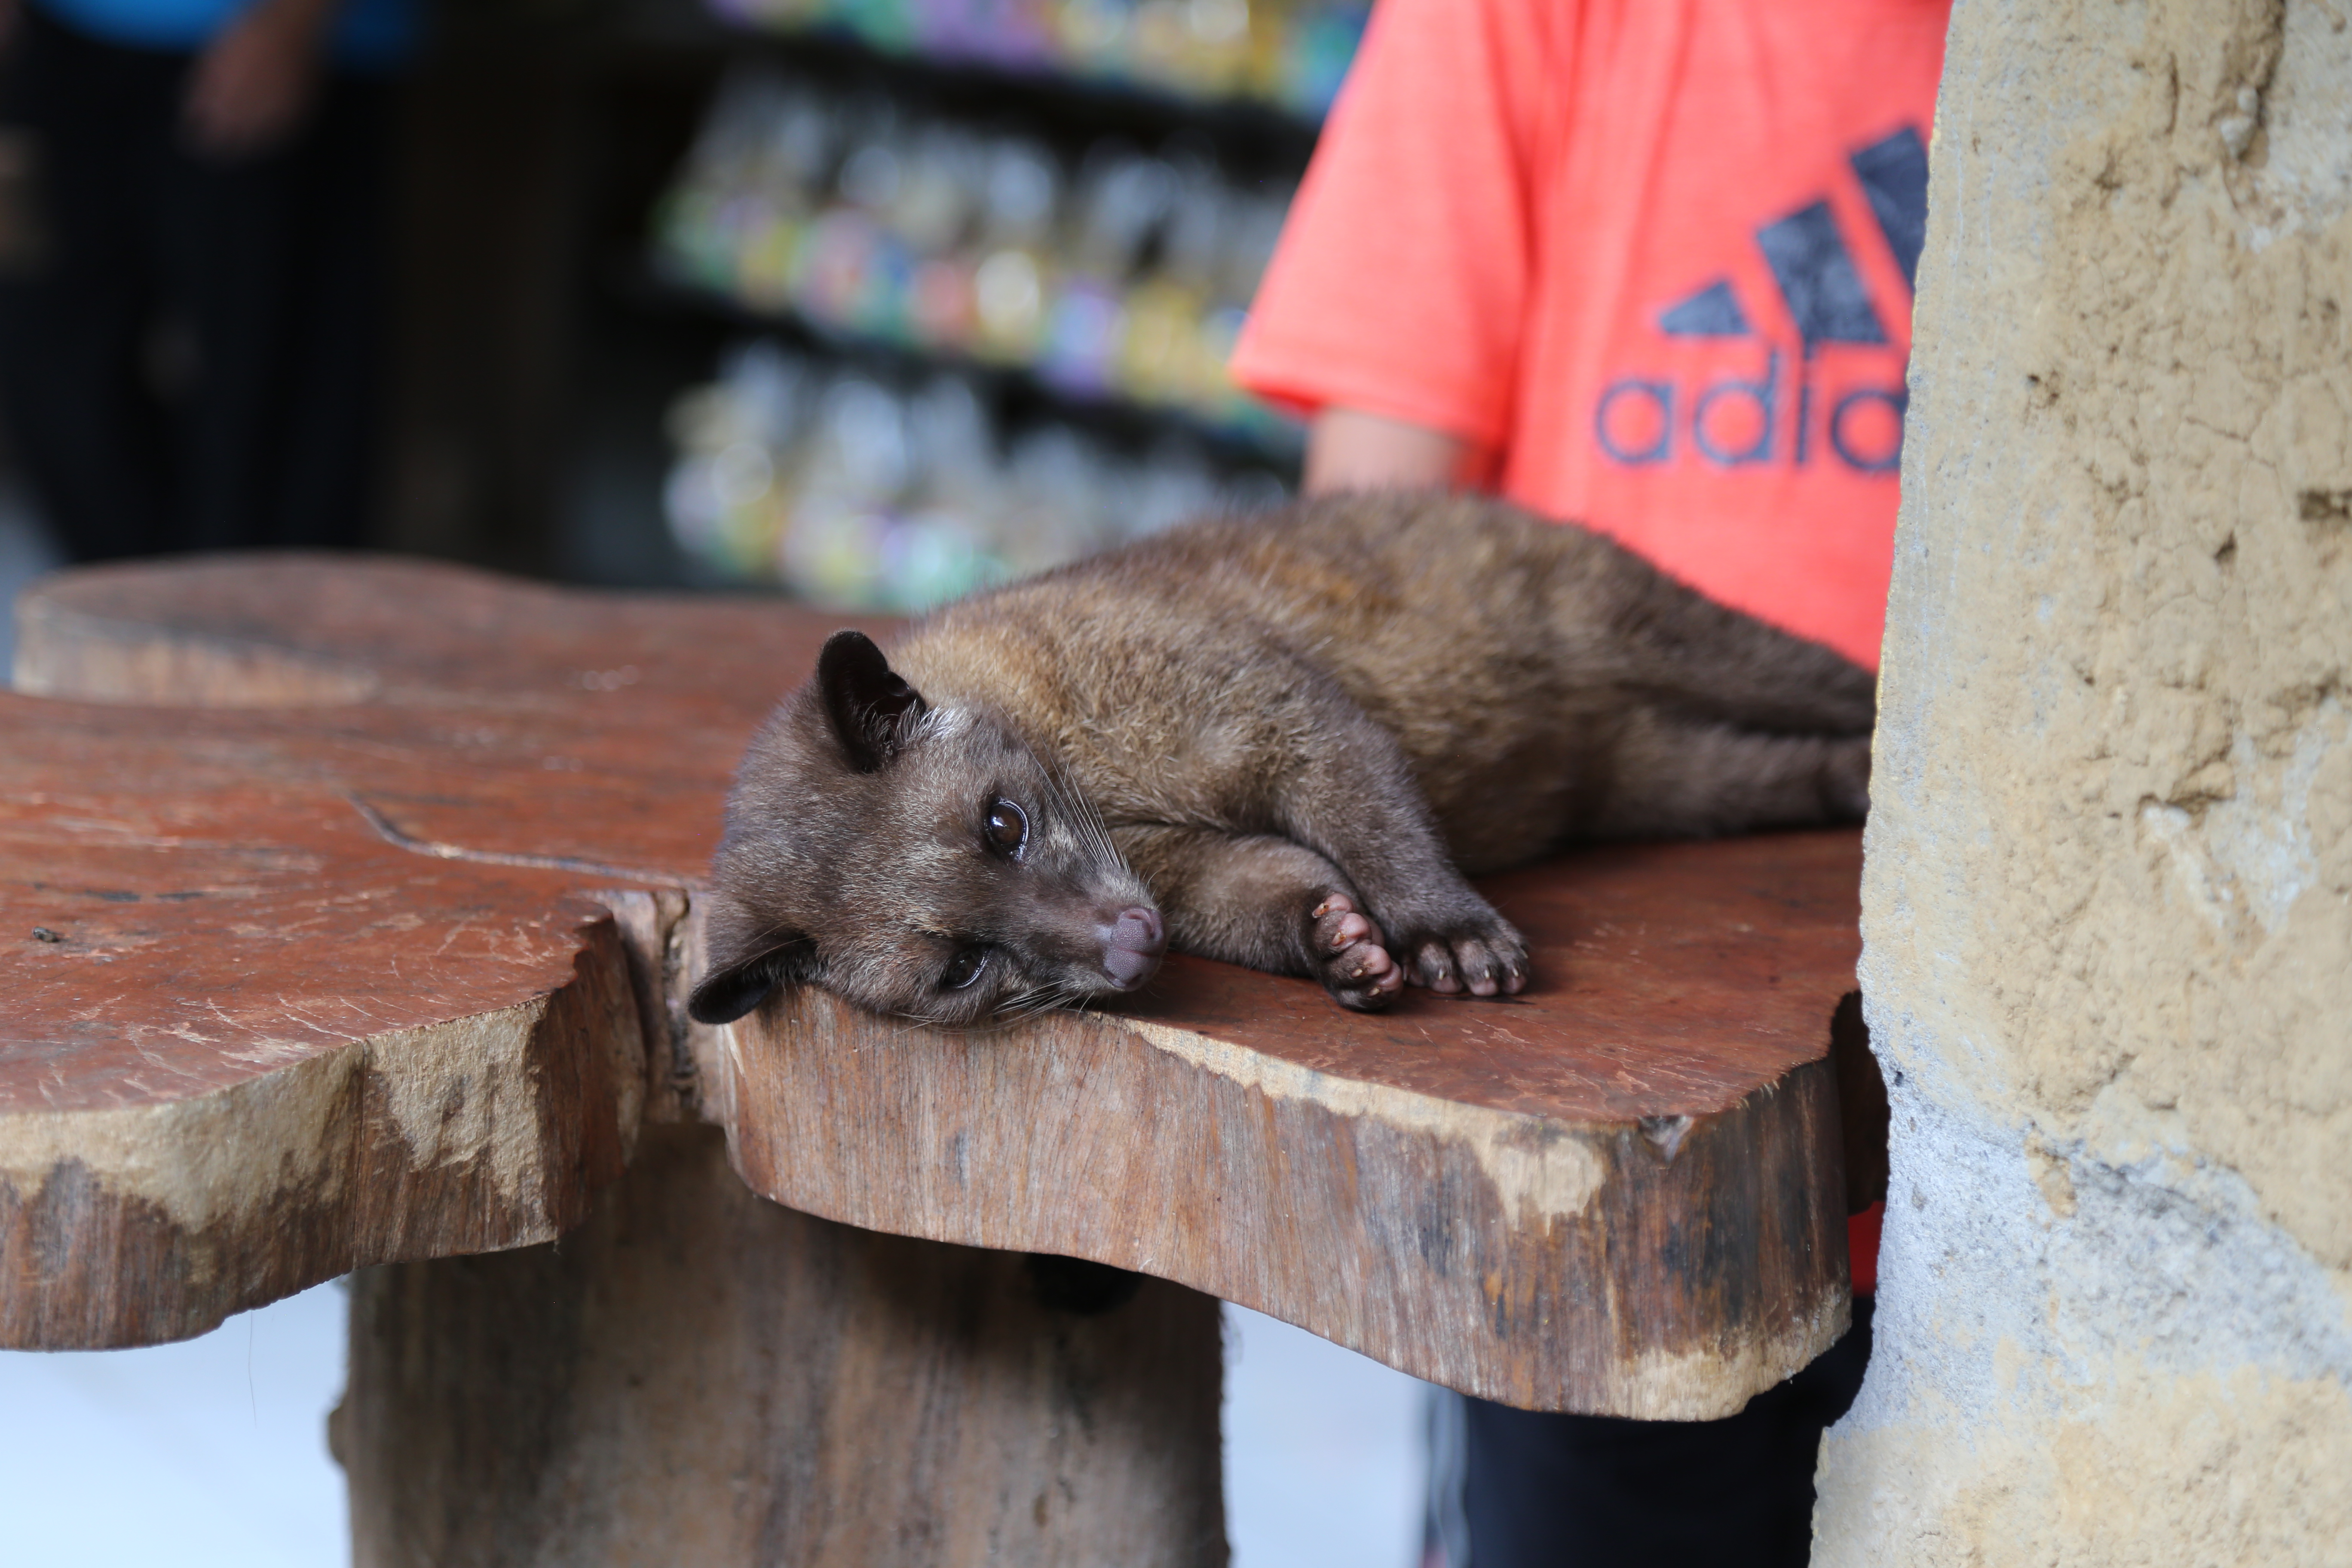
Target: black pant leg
[225, 235]
[1589, 1491]
[75, 315]
[267, 268]
[276, 261]
[335, 347]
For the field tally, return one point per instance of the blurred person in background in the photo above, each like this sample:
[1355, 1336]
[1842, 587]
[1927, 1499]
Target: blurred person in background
[1645, 264]
[191, 266]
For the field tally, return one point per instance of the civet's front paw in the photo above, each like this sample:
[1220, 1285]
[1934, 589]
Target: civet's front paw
[1349, 956]
[1480, 953]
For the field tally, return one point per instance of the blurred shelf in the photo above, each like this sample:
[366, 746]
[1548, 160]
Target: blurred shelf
[754, 401]
[1270, 68]
[1274, 442]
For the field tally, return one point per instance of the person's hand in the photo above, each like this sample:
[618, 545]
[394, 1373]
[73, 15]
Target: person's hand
[252, 86]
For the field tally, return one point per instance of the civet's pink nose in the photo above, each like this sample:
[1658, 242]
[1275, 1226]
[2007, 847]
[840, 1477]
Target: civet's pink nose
[1132, 946]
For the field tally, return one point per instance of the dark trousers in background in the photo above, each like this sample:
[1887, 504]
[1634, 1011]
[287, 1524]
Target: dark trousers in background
[1512, 1488]
[188, 346]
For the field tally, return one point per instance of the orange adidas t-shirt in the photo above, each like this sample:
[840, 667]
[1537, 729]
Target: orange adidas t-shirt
[1658, 253]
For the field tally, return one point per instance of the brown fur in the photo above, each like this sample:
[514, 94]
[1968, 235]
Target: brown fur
[1300, 729]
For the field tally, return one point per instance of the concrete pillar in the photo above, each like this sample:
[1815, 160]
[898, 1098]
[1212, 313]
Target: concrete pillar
[2108, 904]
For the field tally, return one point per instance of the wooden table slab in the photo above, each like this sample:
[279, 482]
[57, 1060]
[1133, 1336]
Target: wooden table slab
[247, 1045]
[442, 833]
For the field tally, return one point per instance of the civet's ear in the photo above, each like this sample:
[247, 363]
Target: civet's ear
[871, 707]
[745, 966]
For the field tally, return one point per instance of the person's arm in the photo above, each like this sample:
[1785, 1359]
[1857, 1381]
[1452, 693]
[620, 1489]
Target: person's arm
[253, 84]
[1392, 308]
[1349, 449]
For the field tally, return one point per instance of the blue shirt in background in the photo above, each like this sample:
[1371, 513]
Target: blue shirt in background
[369, 34]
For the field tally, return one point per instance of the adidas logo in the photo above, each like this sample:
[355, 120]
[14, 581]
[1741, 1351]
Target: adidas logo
[1777, 414]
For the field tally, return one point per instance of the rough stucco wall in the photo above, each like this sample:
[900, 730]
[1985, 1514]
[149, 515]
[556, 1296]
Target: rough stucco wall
[2108, 904]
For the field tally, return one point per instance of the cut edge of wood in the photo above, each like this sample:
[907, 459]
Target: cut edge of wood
[1538, 1175]
[1543, 1170]
[146, 1223]
[1527, 1299]
[1706, 1386]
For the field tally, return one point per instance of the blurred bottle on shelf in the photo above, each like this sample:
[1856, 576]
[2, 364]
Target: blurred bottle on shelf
[855, 493]
[1012, 260]
[1125, 277]
[1290, 54]
[1120, 198]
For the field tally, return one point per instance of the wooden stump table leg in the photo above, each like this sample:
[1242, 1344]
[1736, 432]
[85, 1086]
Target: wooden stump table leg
[699, 1376]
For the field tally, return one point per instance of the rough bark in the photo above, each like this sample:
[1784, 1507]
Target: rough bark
[700, 1378]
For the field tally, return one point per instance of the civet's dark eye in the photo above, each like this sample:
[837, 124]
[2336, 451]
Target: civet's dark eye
[1008, 827]
[963, 969]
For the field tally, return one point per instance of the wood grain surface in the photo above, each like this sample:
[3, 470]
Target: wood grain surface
[285, 992]
[246, 1044]
[1620, 1192]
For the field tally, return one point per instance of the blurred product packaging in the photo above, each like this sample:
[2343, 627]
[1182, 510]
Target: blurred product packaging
[1122, 277]
[855, 493]
[1089, 275]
